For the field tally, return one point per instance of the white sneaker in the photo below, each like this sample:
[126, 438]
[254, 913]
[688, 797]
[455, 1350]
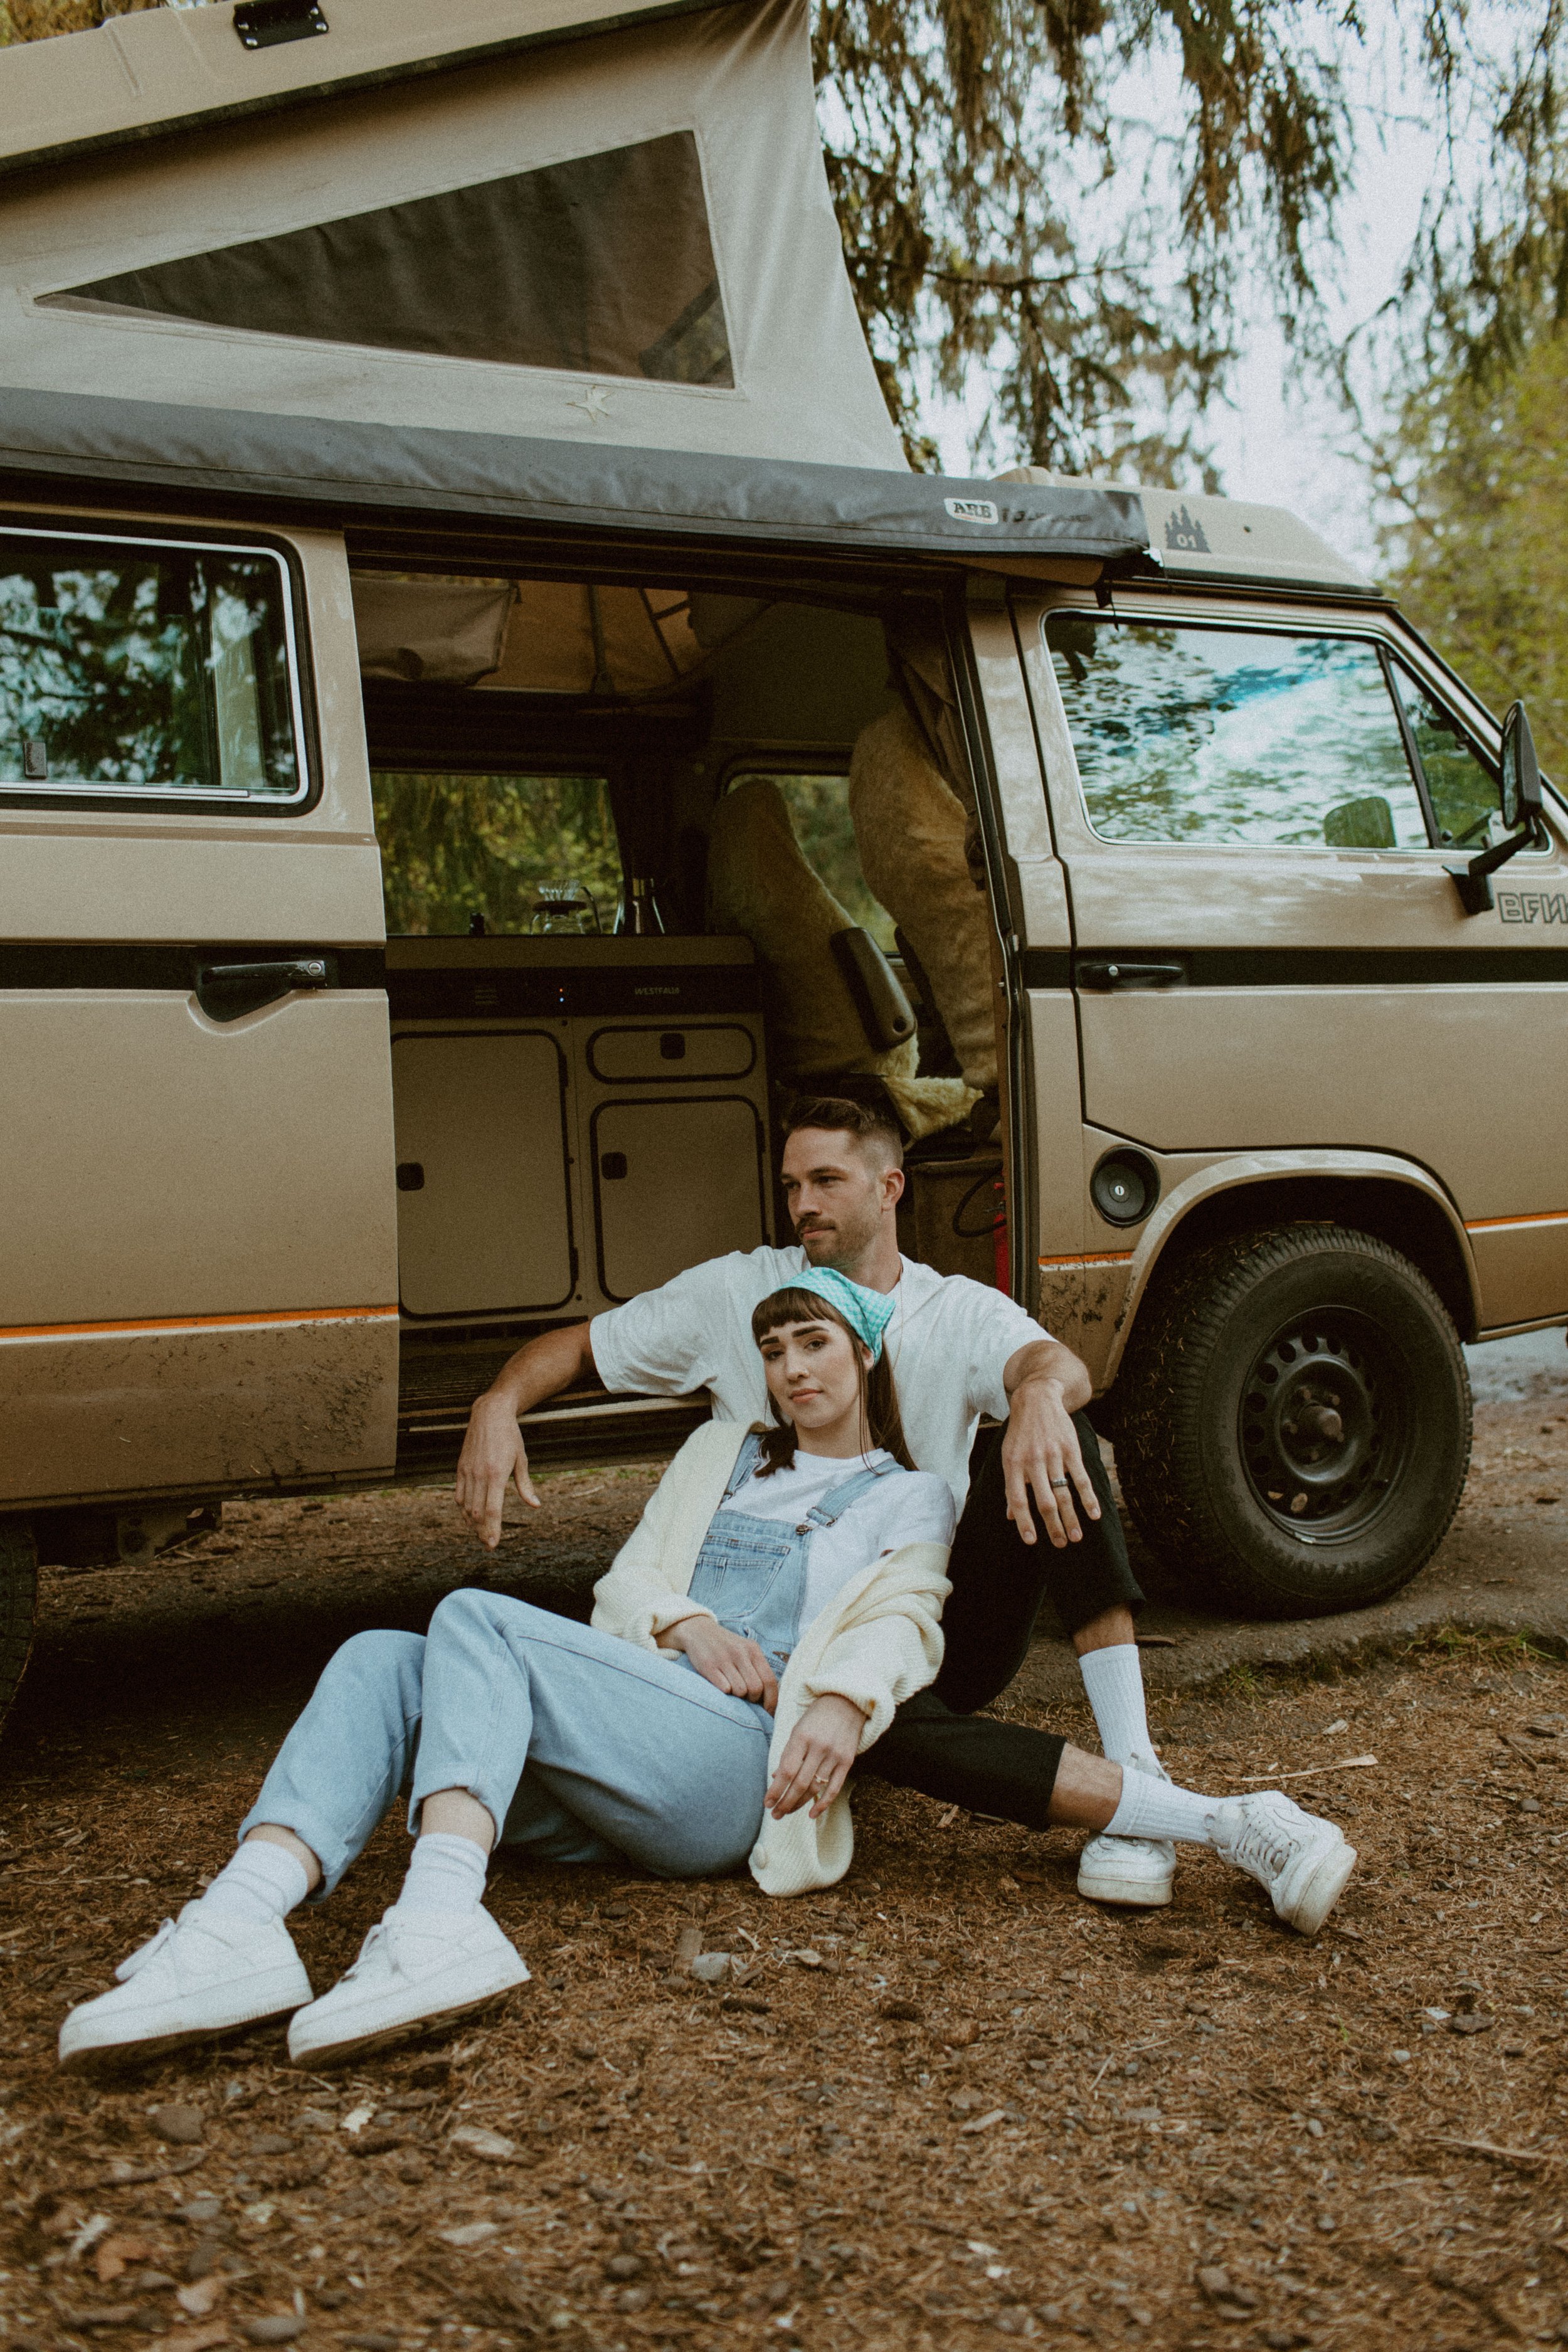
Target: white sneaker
[199, 1975]
[414, 1968]
[1131, 1870]
[1302, 1861]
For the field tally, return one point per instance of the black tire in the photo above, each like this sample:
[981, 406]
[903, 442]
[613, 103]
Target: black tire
[19, 1605]
[1230, 1483]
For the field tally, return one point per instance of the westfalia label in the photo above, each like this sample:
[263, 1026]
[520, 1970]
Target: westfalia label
[1532, 906]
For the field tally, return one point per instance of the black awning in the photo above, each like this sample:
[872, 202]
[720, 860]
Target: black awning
[323, 468]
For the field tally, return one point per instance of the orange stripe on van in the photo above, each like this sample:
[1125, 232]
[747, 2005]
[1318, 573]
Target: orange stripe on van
[1534, 1217]
[1101, 1257]
[201, 1322]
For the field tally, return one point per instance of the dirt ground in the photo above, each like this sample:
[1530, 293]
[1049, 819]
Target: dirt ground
[945, 2101]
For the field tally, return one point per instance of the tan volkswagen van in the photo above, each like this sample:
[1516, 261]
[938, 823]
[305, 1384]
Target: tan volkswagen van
[447, 513]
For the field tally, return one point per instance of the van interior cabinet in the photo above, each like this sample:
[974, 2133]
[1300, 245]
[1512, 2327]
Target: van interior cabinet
[577, 1119]
[675, 1179]
[484, 1209]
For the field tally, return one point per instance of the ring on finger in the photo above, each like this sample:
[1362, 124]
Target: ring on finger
[1062, 1483]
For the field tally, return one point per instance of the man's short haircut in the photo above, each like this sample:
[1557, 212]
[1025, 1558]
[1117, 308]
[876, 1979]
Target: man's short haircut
[869, 1120]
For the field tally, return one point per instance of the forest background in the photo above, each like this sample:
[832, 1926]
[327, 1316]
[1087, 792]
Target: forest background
[1065, 219]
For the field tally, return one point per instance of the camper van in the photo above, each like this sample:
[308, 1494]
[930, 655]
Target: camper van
[486, 712]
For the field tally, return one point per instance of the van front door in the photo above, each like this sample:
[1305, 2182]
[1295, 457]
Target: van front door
[1255, 810]
[198, 1285]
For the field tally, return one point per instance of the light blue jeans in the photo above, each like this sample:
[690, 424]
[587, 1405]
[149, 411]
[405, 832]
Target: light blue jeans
[584, 1747]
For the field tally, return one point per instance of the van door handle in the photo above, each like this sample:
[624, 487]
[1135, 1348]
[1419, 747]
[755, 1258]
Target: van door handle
[1101, 971]
[226, 991]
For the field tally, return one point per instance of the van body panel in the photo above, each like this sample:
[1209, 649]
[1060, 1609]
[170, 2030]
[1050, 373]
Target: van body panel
[77, 878]
[206, 1181]
[165, 1164]
[237, 1404]
[1323, 995]
[1128, 1271]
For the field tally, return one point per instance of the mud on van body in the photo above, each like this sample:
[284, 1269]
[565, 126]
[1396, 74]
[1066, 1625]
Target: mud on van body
[394, 963]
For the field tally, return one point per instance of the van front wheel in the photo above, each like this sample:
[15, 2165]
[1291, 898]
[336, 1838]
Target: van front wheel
[19, 1605]
[1294, 1421]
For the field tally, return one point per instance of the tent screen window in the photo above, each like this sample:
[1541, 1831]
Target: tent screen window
[139, 668]
[603, 265]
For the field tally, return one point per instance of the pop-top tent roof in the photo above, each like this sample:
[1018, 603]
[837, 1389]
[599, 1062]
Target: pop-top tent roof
[529, 217]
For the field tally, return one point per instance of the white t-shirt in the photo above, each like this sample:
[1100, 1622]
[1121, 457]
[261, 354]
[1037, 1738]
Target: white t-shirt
[949, 1343]
[903, 1507]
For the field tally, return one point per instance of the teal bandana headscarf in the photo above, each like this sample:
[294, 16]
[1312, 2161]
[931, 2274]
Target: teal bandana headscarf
[866, 1312]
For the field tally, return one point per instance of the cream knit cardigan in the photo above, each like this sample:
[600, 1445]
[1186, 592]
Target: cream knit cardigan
[877, 1641]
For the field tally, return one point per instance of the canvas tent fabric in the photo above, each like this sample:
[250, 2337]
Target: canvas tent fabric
[540, 636]
[324, 469]
[623, 239]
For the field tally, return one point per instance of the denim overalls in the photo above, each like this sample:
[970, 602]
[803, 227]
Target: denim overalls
[752, 1573]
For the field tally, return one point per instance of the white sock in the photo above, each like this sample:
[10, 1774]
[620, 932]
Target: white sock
[1114, 1681]
[446, 1873]
[263, 1883]
[1158, 1809]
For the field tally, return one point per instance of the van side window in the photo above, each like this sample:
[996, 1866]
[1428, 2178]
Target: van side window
[818, 809]
[519, 852]
[1247, 737]
[1463, 789]
[139, 668]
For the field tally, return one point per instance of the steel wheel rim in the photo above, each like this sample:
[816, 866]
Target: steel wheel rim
[1323, 1424]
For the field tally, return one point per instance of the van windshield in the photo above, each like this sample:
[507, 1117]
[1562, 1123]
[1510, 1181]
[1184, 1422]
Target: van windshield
[133, 668]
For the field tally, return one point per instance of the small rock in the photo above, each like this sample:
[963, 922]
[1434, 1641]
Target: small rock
[624, 2267]
[272, 2144]
[959, 2036]
[634, 2298]
[1327, 2224]
[983, 2123]
[203, 2258]
[372, 2343]
[181, 2125]
[1470, 2020]
[200, 2212]
[1215, 2281]
[199, 2299]
[355, 2120]
[472, 2233]
[474, 2140]
[274, 2327]
[712, 1968]
[315, 2119]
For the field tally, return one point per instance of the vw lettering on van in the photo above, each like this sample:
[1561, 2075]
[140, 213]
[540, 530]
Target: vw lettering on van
[973, 510]
[1532, 906]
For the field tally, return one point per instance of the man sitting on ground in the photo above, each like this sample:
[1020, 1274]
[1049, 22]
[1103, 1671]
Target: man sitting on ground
[958, 1350]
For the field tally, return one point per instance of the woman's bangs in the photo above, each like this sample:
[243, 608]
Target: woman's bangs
[791, 1305]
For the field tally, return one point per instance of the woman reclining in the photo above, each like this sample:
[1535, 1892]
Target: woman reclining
[779, 1599]
[780, 1596]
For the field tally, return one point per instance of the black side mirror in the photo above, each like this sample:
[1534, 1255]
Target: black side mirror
[1520, 770]
[1519, 794]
